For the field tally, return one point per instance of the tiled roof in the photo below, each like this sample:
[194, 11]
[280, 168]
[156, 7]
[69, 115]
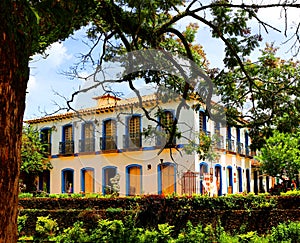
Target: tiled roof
[95, 110]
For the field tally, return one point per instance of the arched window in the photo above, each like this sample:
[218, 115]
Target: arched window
[108, 173]
[44, 181]
[204, 176]
[218, 175]
[229, 180]
[67, 180]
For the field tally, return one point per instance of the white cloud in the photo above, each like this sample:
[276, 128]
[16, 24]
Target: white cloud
[57, 54]
[31, 84]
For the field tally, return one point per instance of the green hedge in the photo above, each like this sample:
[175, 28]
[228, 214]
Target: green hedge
[125, 231]
[258, 213]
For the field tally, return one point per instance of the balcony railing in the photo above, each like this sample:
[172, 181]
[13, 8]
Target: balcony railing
[230, 145]
[250, 152]
[240, 148]
[132, 140]
[87, 145]
[218, 141]
[47, 148]
[108, 143]
[66, 147]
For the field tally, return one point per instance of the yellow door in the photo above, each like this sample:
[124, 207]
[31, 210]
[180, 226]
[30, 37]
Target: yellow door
[167, 179]
[88, 181]
[134, 180]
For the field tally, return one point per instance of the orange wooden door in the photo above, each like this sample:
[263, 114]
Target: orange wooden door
[167, 179]
[88, 181]
[134, 180]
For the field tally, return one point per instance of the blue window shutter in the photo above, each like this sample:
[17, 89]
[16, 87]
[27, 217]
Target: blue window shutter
[229, 132]
[204, 122]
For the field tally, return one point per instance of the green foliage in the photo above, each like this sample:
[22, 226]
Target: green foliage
[161, 234]
[109, 231]
[249, 92]
[295, 193]
[21, 223]
[45, 228]
[250, 236]
[75, 234]
[114, 210]
[76, 195]
[25, 195]
[191, 234]
[126, 231]
[203, 146]
[286, 232]
[33, 152]
[280, 156]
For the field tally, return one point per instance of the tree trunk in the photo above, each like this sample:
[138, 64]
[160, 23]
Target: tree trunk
[14, 74]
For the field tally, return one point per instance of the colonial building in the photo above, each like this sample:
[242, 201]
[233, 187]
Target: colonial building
[88, 148]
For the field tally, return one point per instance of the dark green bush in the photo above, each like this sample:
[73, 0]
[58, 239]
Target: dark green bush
[286, 232]
[21, 224]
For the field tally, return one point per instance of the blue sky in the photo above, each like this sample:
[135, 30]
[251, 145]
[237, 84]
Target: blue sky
[47, 73]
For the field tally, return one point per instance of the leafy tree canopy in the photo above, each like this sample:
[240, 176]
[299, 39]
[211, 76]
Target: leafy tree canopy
[33, 152]
[258, 94]
[268, 101]
[280, 156]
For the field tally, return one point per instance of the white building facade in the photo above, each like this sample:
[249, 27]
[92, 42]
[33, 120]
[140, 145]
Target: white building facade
[90, 147]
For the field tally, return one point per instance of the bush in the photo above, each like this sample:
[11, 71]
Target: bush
[109, 232]
[21, 223]
[45, 228]
[286, 232]
[199, 233]
[25, 195]
[290, 193]
[117, 231]
[75, 234]
[162, 234]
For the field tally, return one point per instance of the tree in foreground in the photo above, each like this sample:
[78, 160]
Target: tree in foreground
[280, 156]
[29, 26]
